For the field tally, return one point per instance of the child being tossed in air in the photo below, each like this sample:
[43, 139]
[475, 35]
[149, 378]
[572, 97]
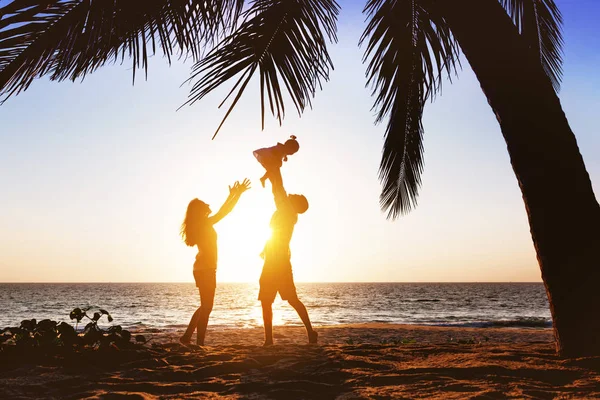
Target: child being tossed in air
[272, 157]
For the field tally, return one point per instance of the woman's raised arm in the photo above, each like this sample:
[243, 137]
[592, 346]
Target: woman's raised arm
[235, 192]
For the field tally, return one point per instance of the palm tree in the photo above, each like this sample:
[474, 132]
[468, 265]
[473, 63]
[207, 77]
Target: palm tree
[513, 46]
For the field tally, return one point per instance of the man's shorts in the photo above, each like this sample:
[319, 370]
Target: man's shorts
[277, 278]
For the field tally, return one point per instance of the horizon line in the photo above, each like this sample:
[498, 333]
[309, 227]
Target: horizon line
[239, 282]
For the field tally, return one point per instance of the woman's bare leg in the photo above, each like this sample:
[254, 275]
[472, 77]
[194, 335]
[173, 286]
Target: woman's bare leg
[187, 336]
[203, 323]
[199, 321]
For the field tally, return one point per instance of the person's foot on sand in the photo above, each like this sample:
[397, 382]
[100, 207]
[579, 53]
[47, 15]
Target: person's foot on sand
[312, 337]
[268, 343]
[185, 341]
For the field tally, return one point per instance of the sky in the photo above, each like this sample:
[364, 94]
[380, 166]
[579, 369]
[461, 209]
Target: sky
[95, 176]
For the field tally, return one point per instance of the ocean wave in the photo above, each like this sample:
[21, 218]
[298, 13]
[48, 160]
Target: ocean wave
[167, 306]
[174, 326]
[526, 322]
[423, 300]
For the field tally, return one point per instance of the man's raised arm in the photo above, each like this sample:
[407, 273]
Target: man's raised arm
[279, 193]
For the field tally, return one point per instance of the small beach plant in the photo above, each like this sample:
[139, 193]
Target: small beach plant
[51, 336]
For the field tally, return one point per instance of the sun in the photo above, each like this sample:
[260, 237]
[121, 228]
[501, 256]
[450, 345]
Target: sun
[242, 236]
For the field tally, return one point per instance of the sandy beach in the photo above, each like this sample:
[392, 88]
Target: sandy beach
[350, 362]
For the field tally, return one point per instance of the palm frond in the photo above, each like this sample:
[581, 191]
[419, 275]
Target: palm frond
[540, 24]
[68, 39]
[409, 47]
[285, 42]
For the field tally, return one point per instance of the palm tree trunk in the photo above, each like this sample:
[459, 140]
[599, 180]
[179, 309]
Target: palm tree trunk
[563, 212]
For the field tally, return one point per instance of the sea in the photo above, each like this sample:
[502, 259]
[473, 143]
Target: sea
[168, 306]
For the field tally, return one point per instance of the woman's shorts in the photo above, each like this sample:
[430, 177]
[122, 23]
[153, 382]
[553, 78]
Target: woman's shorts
[206, 282]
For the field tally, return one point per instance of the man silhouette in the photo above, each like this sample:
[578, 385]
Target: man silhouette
[277, 270]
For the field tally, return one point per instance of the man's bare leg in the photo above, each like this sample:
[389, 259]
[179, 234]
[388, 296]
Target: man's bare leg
[267, 311]
[303, 314]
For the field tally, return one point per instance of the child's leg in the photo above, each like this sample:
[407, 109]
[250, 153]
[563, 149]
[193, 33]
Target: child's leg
[264, 178]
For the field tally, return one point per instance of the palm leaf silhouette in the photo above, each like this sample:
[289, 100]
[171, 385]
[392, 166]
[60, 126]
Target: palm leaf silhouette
[68, 39]
[540, 22]
[284, 41]
[409, 48]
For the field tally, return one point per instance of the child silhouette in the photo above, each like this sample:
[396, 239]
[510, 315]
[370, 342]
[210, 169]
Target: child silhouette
[271, 157]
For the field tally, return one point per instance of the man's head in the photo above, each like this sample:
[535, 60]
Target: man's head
[299, 203]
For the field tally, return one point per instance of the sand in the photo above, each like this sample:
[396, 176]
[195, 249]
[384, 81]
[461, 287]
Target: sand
[375, 361]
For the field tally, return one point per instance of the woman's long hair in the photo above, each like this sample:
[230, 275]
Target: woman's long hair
[195, 217]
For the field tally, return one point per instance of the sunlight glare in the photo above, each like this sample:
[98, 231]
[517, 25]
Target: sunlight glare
[242, 237]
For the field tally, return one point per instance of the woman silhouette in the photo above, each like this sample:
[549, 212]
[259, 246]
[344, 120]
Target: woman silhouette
[198, 230]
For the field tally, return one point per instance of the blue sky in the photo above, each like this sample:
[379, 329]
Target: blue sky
[95, 176]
